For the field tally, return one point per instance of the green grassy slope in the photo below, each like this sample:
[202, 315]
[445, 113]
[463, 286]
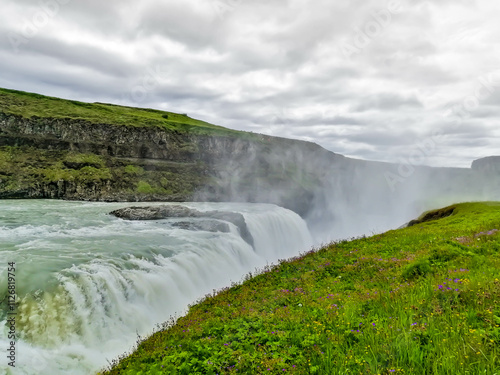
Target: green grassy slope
[419, 300]
[29, 104]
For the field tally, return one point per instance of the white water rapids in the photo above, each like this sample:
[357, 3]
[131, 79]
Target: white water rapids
[88, 283]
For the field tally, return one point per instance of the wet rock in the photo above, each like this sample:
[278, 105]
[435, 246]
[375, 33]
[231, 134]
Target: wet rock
[178, 211]
[155, 212]
[204, 225]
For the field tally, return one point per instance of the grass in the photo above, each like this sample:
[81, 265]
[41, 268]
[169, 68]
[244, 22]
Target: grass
[21, 163]
[419, 300]
[29, 105]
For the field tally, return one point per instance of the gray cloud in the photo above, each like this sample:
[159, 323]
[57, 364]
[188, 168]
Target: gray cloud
[275, 67]
[386, 102]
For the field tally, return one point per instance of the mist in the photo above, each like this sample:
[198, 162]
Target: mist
[341, 197]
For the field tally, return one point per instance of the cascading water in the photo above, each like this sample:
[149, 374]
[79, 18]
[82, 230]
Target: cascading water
[88, 283]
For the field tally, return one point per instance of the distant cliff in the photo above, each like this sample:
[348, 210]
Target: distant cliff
[55, 148]
[489, 164]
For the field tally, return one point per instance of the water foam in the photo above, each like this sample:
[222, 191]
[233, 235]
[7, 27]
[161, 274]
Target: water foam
[126, 277]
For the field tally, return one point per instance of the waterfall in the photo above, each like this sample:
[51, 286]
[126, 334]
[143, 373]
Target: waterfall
[89, 283]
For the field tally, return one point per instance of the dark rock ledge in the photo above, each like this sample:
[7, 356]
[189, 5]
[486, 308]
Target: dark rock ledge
[177, 211]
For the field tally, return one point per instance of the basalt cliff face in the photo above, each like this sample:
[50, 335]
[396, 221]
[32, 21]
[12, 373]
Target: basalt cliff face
[76, 159]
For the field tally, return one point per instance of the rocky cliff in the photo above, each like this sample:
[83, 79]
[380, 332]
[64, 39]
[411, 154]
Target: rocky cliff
[75, 158]
[53, 148]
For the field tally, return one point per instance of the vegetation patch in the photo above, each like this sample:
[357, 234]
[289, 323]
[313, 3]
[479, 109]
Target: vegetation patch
[410, 301]
[40, 173]
[421, 268]
[79, 161]
[433, 215]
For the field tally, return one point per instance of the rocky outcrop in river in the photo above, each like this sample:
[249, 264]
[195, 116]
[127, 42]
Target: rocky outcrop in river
[177, 211]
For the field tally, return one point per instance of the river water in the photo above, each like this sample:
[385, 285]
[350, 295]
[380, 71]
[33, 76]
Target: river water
[88, 283]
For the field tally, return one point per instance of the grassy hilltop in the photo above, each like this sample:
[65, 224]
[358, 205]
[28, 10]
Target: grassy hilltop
[419, 300]
[30, 105]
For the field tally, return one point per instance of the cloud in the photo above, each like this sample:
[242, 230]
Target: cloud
[386, 102]
[274, 67]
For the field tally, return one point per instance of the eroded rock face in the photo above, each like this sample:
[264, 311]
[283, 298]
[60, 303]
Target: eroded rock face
[178, 211]
[203, 225]
[219, 168]
[433, 215]
[155, 212]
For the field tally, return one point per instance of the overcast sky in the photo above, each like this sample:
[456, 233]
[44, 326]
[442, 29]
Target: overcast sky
[399, 80]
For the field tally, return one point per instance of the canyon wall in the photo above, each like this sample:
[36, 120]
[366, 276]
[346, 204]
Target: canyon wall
[77, 159]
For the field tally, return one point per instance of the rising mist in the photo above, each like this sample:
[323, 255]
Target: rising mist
[340, 197]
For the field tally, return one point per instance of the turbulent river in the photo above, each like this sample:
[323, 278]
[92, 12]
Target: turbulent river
[87, 284]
